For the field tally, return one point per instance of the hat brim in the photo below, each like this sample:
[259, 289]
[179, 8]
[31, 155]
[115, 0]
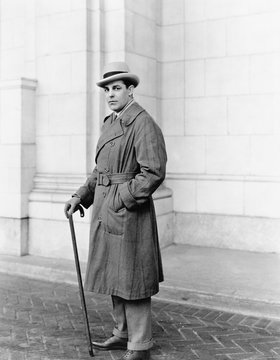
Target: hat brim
[134, 79]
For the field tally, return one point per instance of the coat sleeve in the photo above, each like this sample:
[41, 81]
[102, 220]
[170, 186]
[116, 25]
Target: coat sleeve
[86, 191]
[151, 156]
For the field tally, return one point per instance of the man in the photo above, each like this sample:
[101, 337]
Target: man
[124, 258]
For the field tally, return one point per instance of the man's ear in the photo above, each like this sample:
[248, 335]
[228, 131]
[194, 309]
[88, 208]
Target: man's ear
[131, 88]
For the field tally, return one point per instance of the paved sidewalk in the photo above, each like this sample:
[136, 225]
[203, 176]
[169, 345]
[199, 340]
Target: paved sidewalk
[42, 320]
[226, 280]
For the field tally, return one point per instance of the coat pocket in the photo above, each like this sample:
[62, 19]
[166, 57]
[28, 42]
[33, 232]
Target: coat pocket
[116, 214]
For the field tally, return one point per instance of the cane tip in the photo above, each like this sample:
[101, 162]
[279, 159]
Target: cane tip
[91, 353]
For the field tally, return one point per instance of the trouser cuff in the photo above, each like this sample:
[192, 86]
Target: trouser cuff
[120, 334]
[140, 346]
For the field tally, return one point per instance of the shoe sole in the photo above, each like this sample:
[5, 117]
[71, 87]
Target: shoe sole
[119, 347]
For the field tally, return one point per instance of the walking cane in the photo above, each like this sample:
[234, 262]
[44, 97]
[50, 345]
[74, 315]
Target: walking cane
[79, 276]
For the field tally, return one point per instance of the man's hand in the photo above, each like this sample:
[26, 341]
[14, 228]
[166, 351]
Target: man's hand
[71, 206]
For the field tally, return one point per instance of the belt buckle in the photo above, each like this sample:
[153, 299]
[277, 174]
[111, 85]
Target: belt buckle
[103, 179]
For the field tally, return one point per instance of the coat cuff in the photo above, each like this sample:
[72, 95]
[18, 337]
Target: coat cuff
[126, 196]
[86, 198]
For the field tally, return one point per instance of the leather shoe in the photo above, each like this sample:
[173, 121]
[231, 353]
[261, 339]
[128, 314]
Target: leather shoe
[113, 343]
[136, 355]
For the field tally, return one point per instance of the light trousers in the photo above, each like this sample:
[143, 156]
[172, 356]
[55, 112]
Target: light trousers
[133, 322]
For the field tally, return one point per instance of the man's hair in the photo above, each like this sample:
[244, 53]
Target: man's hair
[127, 83]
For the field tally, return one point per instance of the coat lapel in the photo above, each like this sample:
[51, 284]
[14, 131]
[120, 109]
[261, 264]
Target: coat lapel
[114, 130]
[109, 132]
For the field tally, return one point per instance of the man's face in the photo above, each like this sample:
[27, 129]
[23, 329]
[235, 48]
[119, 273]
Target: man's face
[117, 95]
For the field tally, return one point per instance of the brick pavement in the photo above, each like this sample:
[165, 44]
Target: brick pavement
[43, 320]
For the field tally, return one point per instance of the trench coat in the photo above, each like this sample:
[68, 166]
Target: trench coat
[124, 256]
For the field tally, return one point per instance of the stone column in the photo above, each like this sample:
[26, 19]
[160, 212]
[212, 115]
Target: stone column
[17, 162]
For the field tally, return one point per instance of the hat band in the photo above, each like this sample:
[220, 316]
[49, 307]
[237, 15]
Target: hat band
[108, 74]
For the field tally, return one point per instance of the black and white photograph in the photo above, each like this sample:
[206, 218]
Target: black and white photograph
[140, 179]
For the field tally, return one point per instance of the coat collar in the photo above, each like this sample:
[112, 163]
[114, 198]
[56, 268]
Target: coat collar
[116, 129]
[131, 113]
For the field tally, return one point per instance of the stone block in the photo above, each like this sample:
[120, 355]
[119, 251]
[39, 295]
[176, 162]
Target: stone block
[253, 34]
[251, 114]
[96, 5]
[220, 197]
[264, 73]
[185, 154]
[42, 115]
[77, 155]
[228, 155]
[265, 155]
[10, 156]
[184, 194]
[10, 180]
[259, 6]
[42, 37]
[12, 201]
[195, 40]
[60, 148]
[165, 225]
[12, 63]
[276, 113]
[172, 50]
[139, 64]
[60, 73]
[29, 42]
[171, 73]
[10, 116]
[227, 76]
[172, 12]
[140, 35]
[12, 9]
[110, 5]
[114, 31]
[14, 236]
[48, 7]
[28, 117]
[150, 104]
[67, 114]
[230, 232]
[206, 116]
[56, 242]
[194, 10]
[172, 117]
[68, 32]
[215, 9]
[262, 199]
[205, 39]
[194, 78]
[94, 41]
[27, 174]
[80, 4]
[146, 8]
[28, 156]
[44, 74]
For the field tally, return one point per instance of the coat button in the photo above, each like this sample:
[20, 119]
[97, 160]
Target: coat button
[99, 218]
[112, 143]
[104, 194]
[106, 170]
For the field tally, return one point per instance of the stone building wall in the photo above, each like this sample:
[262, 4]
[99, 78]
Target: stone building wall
[220, 105]
[209, 73]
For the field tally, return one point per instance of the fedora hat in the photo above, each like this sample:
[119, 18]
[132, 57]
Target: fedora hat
[117, 71]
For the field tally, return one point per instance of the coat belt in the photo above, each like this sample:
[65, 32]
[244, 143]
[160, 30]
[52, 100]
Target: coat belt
[106, 179]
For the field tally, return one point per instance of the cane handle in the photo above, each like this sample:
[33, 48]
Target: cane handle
[82, 213]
